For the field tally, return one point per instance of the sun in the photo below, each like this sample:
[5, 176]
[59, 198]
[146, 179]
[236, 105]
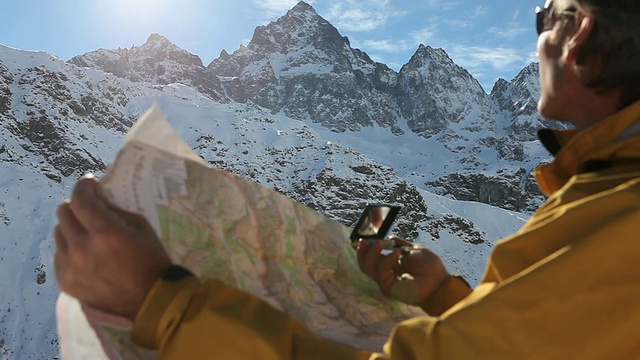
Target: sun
[144, 12]
[140, 18]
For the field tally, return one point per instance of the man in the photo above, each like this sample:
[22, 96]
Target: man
[565, 286]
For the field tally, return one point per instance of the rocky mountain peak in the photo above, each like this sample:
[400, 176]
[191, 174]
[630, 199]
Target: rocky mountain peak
[519, 97]
[427, 59]
[303, 8]
[527, 77]
[160, 48]
[433, 91]
[224, 54]
[159, 62]
[156, 40]
[429, 53]
[298, 28]
[302, 54]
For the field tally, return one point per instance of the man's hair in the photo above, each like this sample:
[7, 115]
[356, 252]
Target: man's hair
[616, 41]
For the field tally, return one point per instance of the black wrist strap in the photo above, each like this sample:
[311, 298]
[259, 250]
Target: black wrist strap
[175, 273]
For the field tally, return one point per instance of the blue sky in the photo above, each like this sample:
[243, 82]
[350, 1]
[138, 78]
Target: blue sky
[490, 39]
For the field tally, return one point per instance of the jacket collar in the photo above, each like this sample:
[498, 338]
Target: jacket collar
[615, 138]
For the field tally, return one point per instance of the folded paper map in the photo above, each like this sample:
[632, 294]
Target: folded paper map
[251, 237]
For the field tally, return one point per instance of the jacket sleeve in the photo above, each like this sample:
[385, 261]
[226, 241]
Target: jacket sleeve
[187, 319]
[449, 293]
[578, 302]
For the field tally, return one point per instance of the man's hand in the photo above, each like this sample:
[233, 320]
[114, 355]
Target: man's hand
[409, 274]
[106, 257]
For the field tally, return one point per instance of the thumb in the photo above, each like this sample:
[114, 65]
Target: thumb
[132, 219]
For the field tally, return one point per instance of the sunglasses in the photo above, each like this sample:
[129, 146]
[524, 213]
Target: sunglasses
[546, 17]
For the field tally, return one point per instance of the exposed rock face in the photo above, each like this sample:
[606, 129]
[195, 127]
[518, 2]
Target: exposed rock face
[158, 61]
[302, 66]
[519, 98]
[46, 129]
[5, 93]
[511, 191]
[433, 92]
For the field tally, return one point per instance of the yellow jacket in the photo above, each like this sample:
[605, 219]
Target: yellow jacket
[566, 286]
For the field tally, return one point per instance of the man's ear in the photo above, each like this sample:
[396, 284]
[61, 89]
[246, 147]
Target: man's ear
[577, 40]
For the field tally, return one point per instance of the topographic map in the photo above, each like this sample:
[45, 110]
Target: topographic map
[225, 227]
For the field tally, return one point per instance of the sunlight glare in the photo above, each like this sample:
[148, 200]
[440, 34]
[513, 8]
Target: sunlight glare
[143, 12]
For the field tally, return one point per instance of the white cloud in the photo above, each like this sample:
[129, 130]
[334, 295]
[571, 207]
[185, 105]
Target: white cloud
[276, 7]
[487, 64]
[473, 57]
[356, 19]
[478, 12]
[511, 31]
[396, 46]
[352, 15]
[346, 15]
[392, 46]
[442, 5]
[515, 15]
[421, 36]
[457, 23]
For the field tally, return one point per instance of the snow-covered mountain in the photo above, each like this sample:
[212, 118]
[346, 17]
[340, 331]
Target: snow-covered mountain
[158, 61]
[297, 110]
